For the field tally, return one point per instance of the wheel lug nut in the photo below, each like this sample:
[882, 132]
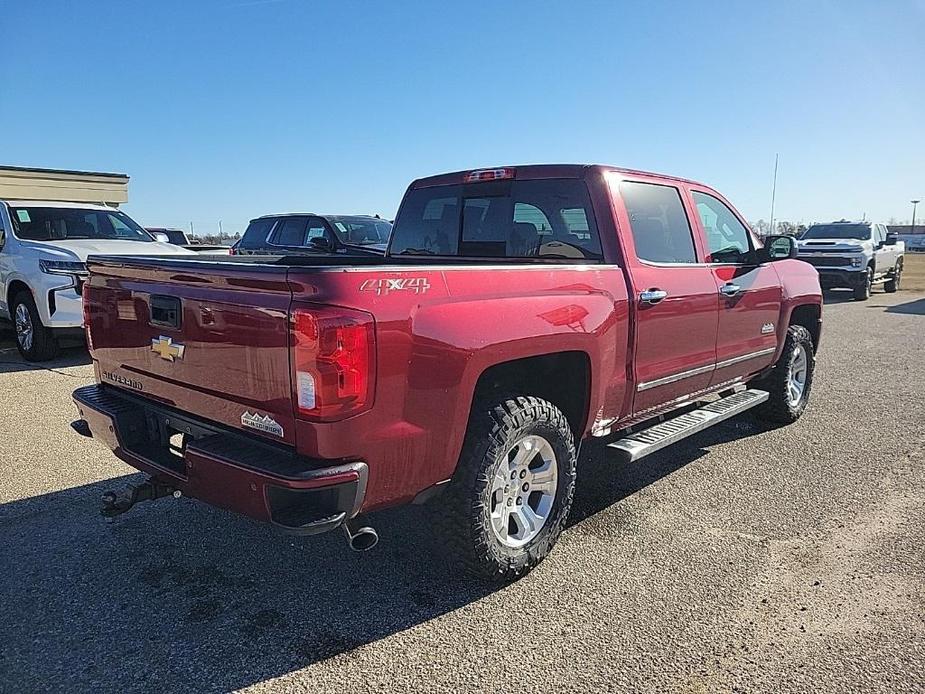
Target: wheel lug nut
[514, 475]
[523, 473]
[510, 502]
[520, 501]
[525, 487]
[507, 490]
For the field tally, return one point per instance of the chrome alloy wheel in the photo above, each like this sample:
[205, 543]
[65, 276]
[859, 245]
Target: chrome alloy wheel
[24, 330]
[523, 491]
[796, 381]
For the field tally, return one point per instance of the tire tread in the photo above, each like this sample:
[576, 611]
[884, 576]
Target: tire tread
[457, 515]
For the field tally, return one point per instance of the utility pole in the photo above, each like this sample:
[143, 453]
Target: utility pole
[773, 193]
[220, 234]
[190, 228]
[914, 203]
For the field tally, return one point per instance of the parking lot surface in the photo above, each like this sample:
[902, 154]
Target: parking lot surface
[744, 559]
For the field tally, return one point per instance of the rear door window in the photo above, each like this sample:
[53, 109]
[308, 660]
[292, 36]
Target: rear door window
[660, 227]
[290, 232]
[550, 218]
[255, 236]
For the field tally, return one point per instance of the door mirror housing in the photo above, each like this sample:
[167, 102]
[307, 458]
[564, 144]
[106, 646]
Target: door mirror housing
[161, 236]
[778, 247]
[892, 239]
[321, 243]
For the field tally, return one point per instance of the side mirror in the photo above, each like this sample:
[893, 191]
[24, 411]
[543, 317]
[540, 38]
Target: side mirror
[321, 243]
[779, 248]
[892, 238]
[161, 236]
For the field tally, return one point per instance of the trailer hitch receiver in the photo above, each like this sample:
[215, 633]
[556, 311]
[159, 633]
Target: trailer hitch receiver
[115, 502]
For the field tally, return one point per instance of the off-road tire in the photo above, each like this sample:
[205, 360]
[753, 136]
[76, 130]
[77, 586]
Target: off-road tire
[44, 343]
[778, 408]
[892, 284]
[863, 292]
[460, 515]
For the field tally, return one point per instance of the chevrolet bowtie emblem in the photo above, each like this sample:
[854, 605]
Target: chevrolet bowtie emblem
[166, 348]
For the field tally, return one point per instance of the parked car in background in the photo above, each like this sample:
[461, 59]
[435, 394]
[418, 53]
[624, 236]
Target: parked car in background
[517, 312]
[284, 234]
[178, 237]
[854, 255]
[43, 252]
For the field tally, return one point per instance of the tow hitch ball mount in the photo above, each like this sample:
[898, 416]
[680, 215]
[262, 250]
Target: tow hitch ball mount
[115, 502]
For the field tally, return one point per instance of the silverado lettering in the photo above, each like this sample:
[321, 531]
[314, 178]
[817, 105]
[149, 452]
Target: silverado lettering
[122, 380]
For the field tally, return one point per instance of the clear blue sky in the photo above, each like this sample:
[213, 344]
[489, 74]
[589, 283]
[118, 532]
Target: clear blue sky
[227, 109]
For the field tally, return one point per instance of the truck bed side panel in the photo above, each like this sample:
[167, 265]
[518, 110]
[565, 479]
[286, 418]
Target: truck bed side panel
[437, 331]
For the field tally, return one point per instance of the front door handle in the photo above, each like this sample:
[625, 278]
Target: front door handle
[652, 296]
[730, 289]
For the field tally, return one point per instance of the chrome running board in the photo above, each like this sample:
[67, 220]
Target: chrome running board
[642, 443]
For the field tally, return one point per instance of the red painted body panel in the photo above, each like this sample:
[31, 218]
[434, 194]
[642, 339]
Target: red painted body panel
[436, 333]
[432, 348]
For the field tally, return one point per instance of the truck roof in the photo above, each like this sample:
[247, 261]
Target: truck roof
[317, 214]
[59, 203]
[529, 171]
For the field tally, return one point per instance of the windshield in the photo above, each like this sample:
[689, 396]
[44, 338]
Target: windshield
[837, 231]
[67, 223]
[362, 231]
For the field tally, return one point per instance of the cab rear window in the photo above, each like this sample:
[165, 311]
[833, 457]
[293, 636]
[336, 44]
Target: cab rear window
[550, 218]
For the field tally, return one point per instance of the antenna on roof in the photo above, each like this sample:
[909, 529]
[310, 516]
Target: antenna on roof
[773, 194]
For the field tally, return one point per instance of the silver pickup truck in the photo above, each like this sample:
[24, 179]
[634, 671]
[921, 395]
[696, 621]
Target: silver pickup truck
[855, 255]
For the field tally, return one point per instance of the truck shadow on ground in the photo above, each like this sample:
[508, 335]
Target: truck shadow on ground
[177, 596]
[73, 353]
[837, 296]
[915, 307]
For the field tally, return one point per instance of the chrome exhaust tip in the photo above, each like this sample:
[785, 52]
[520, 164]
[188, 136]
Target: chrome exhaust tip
[362, 538]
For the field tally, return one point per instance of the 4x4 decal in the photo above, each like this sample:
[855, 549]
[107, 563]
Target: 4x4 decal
[417, 285]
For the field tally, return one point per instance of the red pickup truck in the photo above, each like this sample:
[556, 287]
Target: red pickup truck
[517, 312]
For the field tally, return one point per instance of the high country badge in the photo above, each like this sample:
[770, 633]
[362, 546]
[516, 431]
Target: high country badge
[264, 423]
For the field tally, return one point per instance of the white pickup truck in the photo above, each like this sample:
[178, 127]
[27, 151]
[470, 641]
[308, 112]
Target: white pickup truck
[855, 255]
[43, 252]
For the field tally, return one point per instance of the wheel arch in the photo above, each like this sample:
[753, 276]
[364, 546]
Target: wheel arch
[810, 317]
[562, 378]
[12, 289]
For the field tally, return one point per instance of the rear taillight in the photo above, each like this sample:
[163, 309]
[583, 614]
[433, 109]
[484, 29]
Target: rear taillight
[86, 312]
[334, 362]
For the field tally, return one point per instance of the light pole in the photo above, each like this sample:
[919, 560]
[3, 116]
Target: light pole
[914, 203]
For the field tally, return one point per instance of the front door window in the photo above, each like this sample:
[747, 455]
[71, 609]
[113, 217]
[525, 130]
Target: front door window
[728, 241]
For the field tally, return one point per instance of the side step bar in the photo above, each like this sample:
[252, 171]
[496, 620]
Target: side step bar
[642, 443]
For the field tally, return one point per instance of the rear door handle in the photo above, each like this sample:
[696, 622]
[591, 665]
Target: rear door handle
[730, 289]
[652, 296]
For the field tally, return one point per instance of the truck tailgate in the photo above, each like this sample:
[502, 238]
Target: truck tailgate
[206, 337]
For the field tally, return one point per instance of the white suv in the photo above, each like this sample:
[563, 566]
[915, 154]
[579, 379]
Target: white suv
[43, 252]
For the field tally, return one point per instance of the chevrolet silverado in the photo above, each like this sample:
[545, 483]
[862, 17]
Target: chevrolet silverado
[517, 312]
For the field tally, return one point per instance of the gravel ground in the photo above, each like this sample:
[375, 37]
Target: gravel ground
[741, 560]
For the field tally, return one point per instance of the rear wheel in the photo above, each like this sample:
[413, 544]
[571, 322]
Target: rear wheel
[790, 381]
[863, 290]
[34, 341]
[892, 284]
[512, 491]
